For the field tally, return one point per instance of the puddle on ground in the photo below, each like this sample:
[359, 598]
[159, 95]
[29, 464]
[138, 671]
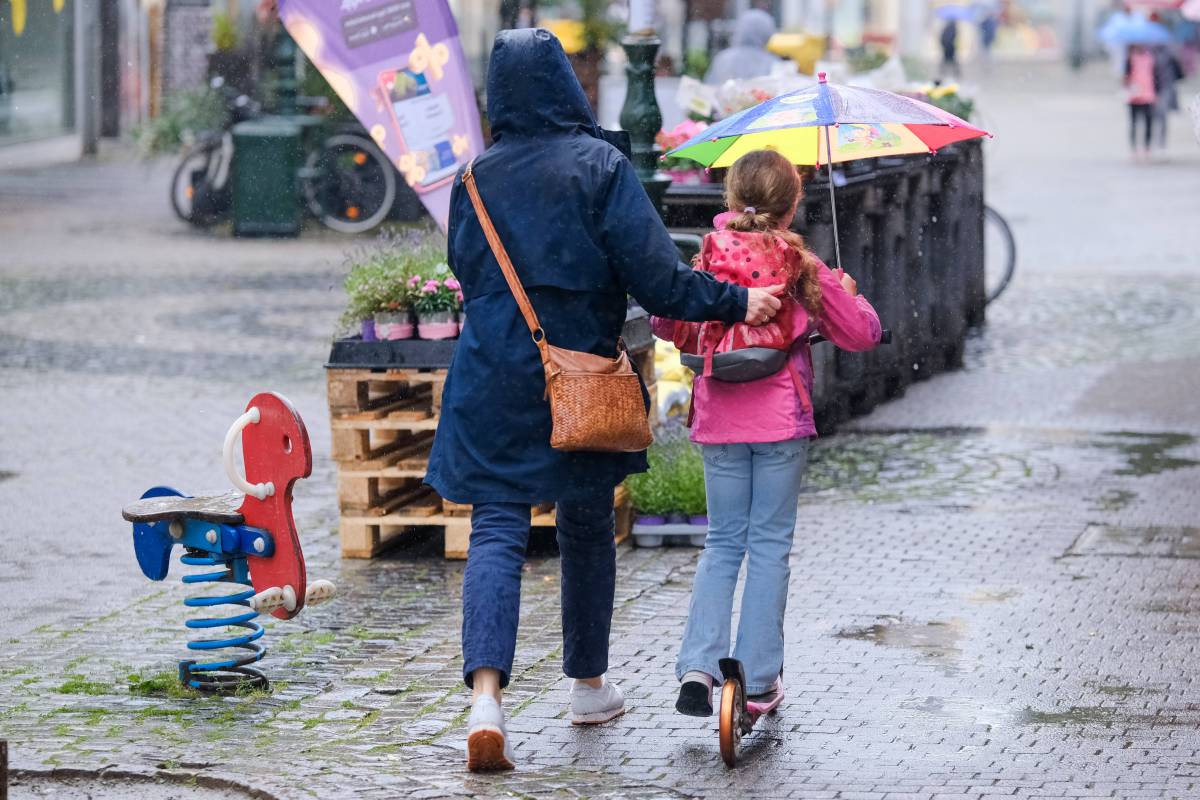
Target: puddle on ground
[1075, 715]
[1147, 453]
[966, 710]
[1154, 541]
[958, 467]
[936, 640]
[992, 595]
[1121, 689]
[1115, 500]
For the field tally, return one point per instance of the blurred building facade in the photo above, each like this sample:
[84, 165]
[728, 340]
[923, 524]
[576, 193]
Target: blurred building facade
[72, 69]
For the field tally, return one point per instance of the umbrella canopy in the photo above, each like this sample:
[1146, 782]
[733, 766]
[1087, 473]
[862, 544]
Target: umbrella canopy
[865, 123]
[957, 13]
[1128, 29]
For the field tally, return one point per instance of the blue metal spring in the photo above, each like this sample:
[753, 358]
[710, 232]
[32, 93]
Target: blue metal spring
[232, 673]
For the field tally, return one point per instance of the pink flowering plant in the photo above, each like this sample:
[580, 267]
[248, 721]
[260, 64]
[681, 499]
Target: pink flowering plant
[436, 294]
[669, 140]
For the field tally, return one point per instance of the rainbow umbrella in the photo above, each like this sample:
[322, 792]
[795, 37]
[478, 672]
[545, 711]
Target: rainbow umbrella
[852, 122]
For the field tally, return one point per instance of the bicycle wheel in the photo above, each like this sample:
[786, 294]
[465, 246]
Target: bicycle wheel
[199, 194]
[349, 184]
[999, 253]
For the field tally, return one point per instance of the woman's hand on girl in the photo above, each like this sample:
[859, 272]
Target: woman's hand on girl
[763, 304]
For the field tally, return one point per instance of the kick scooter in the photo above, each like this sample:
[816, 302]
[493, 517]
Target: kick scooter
[737, 715]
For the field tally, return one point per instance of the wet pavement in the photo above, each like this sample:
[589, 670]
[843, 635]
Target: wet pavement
[993, 587]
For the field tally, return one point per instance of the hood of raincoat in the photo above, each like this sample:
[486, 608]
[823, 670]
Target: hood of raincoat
[754, 29]
[531, 88]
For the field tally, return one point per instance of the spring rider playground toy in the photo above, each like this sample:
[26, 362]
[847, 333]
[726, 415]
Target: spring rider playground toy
[248, 535]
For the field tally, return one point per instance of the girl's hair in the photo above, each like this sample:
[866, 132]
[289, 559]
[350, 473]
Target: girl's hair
[763, 189]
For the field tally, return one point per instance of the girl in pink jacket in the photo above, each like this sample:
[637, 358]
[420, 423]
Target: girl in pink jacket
[755, 434]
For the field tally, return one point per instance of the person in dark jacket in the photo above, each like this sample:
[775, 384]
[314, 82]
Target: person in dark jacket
[582, 235]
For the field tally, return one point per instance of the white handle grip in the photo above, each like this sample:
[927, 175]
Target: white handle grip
[259, 490]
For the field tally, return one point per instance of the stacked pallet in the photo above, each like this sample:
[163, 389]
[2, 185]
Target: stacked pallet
[383, 425]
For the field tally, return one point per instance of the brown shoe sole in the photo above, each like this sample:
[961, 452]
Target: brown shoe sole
[485, 752]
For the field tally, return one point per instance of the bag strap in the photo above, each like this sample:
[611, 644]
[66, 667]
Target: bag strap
[506, 266]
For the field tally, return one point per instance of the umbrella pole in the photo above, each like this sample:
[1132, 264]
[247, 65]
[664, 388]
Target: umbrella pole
[837, 247]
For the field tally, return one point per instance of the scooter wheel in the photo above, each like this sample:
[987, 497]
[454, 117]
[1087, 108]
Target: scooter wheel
[730, 721]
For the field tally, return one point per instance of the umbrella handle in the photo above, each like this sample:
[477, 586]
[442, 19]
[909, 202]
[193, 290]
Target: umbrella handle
[837, 246]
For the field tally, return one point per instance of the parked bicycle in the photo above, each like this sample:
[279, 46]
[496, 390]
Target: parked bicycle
[999, 253]
[347, 183]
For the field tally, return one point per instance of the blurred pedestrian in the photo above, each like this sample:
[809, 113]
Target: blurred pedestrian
[988, 28]
[1140, 86]
[949, 42]
[747, 55]
[755, 434]
[583, 236]
[1167, 72]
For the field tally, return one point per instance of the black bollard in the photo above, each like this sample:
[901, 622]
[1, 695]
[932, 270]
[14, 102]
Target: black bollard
[3, 770]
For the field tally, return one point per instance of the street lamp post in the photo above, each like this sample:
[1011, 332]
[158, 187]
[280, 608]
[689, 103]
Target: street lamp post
[640, 115]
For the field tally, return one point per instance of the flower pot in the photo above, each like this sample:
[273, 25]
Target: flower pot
[437, 325]
[393, 325]
[651, 519]
[699, 519]
[677, 519]
[368, 330]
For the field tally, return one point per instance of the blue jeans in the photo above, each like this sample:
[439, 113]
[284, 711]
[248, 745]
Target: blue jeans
[752, 494]
[492, 584]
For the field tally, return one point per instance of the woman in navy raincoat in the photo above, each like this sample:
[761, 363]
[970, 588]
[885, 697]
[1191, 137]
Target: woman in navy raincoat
[582, 235]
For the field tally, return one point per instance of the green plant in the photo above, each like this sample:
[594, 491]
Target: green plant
[696, 64]
[954, 103]
[184, 114]
[385, 275]
[688, 482]
[675, 480]
[598, 28]
[865, 58]
[224, 32]
[313, 84]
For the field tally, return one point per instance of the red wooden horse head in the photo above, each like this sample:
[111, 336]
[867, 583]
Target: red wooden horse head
[277, 453]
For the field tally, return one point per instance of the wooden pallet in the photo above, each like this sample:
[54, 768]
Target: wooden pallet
[367, 535]
[383, 427]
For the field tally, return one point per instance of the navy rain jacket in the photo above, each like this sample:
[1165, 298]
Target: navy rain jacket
[582, 235]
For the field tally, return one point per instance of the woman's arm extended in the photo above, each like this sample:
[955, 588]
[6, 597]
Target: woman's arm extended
[647, 263]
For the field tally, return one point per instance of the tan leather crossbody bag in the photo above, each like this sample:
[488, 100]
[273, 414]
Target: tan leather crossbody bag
[595, 402]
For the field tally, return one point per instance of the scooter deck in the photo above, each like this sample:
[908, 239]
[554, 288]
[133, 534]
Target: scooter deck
[764, 704]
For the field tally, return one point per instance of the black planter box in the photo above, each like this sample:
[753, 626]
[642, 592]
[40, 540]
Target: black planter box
[354, 353]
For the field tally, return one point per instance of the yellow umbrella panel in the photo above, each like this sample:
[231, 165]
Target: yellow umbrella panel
[806, 146]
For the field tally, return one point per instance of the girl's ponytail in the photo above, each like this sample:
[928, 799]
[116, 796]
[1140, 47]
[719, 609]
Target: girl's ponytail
[763, 190]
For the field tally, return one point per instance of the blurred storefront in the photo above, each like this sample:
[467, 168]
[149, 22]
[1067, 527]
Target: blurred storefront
[37, 73]
[71, 70]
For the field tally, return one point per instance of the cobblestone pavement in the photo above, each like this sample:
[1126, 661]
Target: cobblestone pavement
[992, 584]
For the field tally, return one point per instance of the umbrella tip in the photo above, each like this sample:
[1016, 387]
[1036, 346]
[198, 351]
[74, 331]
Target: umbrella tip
[821, 77]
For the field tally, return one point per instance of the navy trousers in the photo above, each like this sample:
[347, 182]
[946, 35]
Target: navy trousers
[492, 584]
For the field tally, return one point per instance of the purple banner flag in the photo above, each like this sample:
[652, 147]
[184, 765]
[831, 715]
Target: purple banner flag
[399, 66]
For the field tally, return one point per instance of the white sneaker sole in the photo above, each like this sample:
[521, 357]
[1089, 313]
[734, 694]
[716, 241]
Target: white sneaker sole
[485, 750]
[597, 718]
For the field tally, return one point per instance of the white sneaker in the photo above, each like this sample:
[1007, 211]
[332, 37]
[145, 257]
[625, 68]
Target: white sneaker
[488, 747]
[593, 706]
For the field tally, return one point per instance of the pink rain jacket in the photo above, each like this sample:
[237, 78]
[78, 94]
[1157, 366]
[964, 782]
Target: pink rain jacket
[769, 409]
